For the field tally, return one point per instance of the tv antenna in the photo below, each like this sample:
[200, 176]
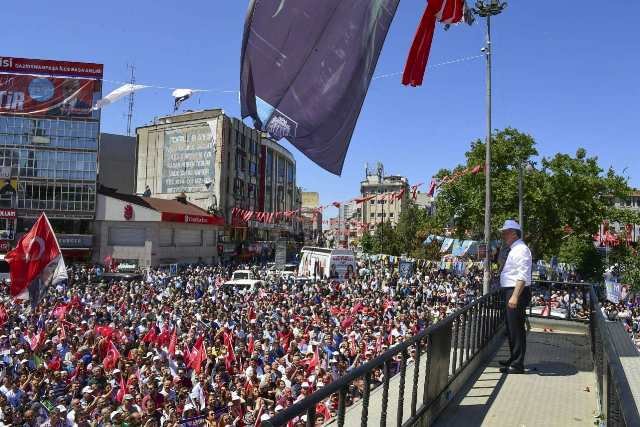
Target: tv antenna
[132, 81]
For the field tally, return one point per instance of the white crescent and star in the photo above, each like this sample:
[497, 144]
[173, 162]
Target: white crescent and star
[41, 247]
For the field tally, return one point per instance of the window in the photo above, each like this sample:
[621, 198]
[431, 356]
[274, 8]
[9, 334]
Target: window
[379, 215]
[372, 202]
[391, 215]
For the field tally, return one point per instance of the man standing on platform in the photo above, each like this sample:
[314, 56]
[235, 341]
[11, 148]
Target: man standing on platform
[515, 278]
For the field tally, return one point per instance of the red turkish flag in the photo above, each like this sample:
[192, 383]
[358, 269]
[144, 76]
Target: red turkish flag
[172, 343]
[33, 253]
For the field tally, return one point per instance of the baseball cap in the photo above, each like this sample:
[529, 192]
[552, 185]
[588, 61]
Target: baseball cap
[510, 225]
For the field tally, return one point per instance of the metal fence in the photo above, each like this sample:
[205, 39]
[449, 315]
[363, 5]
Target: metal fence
[435, 356]
[560, 300]
[609, 343]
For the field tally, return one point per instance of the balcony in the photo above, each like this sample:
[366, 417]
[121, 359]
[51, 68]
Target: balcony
[579, 371]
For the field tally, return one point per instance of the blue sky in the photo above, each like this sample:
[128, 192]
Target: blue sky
[564, 71]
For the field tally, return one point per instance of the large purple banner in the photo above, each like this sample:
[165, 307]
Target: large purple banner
[306, 69]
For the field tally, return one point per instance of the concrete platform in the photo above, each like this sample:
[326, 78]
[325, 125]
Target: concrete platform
[558, 388]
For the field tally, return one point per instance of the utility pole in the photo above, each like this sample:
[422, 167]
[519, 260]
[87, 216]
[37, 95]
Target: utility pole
[521, 198]
[486, 10]
[132, 81]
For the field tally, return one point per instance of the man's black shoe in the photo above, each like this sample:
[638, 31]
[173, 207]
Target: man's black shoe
[504, 362]
[511, 370]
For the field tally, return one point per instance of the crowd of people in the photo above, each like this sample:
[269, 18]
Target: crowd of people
[166, 350]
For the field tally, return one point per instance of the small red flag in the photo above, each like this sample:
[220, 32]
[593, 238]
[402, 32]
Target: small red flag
[172, 343]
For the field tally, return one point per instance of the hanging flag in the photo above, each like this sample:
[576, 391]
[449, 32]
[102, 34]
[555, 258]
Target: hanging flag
[446, 11]
[179, 96]
[118, 93]
[432, 187]
[36, 262]
[306, 68]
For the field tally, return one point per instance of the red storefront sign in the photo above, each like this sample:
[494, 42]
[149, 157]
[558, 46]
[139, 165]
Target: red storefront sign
[50, 67]
[7, 213]
[192, 219]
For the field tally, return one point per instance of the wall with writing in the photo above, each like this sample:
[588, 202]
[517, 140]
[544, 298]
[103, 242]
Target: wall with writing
[189, 156]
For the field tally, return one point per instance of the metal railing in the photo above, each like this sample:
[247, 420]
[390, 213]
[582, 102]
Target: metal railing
[610, 342]
[560, 300]
[442, 351]
[576, 301]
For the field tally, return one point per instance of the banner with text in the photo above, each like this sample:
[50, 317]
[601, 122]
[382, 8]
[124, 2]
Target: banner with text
[188, 159]
[31, 95]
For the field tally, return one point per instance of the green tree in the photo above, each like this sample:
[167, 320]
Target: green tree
[411, 222]
[581, 252]
[385, 240]
[367, 242]
[565, 195]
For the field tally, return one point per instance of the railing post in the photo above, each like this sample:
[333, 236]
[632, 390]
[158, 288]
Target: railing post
[463, 340]
[403, 376]
[342, 405]
[385, 394]
[470, 335]
[365, 400]
[439, 359]
[477, 326]
[416, 376]
[455, 339]
[311, 416]
[427, 369]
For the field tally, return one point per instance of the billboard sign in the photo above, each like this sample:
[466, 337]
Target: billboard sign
[31, 95]
[48, 67]
[188, 162]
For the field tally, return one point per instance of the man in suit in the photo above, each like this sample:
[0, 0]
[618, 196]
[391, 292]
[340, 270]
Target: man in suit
[515, 278]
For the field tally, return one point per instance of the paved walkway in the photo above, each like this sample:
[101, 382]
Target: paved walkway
[558, 388]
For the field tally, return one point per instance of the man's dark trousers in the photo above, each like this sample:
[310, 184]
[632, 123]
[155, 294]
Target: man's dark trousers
[515, 326]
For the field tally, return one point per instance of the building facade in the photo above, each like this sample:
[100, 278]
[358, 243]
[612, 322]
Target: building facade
[382, 209]
[311, 218]
[632, 203]
[117, 161]
[49, 148]
[220, 164]
[149, 232]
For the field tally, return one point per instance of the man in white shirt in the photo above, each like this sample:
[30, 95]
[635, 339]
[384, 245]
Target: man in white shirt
[515, 277]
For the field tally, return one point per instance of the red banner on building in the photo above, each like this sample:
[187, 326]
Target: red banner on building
[50, 68]
[192, 219]
[46, 96]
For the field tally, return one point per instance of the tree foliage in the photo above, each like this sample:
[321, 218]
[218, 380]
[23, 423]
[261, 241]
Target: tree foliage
[564, 195]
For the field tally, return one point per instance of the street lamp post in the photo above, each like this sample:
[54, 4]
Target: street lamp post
[520, 198]
[529, 167]
[487, 10]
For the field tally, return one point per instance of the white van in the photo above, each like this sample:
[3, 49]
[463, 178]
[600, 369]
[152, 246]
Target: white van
[333, 264]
